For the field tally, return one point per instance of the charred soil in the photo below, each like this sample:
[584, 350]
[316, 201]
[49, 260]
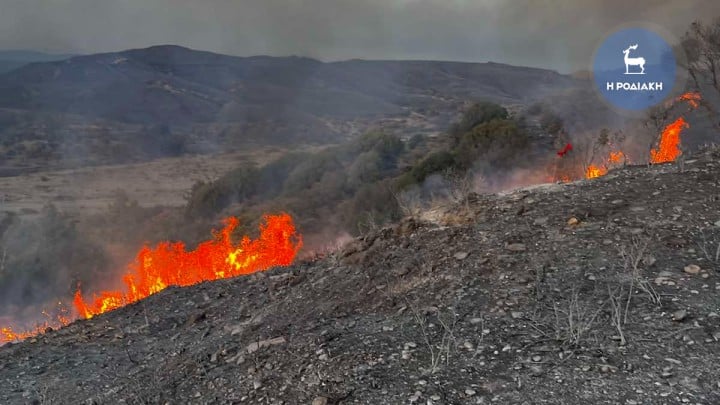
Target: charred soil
[601, 291]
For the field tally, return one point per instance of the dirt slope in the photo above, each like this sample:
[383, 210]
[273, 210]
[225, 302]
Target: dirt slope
[524, 300]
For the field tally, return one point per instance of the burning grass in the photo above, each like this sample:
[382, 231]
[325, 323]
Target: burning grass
[171, 264]
[668, 146]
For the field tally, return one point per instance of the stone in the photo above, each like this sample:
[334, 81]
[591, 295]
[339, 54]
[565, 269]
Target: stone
[255, 346]
[516, 247]
[470, 392]
[679, 315]
[692, 269]
[320, 401]
[461, 255]
[573, 221]
[543, 221]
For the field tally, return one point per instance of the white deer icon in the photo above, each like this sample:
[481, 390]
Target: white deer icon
[633, 61]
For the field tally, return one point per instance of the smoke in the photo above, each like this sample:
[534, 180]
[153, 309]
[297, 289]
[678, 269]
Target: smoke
[559, 34]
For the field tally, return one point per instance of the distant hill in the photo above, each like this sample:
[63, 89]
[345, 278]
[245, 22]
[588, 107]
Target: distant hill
[175, 84]
[217, 101]
[13, 59]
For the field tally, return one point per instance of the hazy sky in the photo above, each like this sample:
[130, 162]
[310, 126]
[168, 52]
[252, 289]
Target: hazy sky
[559, 34]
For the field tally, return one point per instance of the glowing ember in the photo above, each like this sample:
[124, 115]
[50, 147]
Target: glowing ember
[593, 171]
[8, 334]
[669, 146]
[171, 264]
[617, 157]
[692, 98]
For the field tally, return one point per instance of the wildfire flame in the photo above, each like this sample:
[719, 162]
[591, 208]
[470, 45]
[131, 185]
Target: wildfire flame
[692, 98]
[170, 264]
[669, 146]
[8, 334]
[594, 171]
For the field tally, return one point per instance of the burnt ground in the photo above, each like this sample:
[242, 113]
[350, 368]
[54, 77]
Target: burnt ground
[602, 291]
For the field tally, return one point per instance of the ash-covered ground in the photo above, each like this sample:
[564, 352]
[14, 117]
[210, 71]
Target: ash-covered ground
[600, 292]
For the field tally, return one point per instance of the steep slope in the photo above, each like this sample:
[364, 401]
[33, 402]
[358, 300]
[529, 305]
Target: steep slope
[602, 291]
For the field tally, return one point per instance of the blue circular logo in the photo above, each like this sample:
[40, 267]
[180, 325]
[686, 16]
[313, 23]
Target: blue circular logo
[635, 69]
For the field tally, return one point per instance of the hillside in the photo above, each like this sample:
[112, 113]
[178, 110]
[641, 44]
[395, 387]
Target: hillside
[169, 100]
[10, 60]
[177, 85]
[601, 291]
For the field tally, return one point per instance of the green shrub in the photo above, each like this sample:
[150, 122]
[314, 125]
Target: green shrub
[477, 114]
[497, 142]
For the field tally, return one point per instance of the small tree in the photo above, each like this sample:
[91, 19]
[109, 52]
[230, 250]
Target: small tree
[702, 46]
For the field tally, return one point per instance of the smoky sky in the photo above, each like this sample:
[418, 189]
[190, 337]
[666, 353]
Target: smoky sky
[557, 34]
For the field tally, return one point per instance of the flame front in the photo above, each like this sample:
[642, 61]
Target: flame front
[594, 171]
[170, 264]
[669, 146]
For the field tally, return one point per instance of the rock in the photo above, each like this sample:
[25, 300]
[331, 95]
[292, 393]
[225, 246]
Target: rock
[320, 401]
[690, 383]
[536, 371]
[257, 383]
[470, 392]
[692, 269]
[515, 247]
[661, 280]
[195, 318]
[461, 255]
[606, 368]
[717, 224]
[415, 397]
[573, 221]
[679, 315]
[255, 346]
[516, 314]
[537, 358]
[542, 221]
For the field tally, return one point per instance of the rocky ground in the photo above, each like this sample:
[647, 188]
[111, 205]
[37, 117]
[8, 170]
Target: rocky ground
[597, 292]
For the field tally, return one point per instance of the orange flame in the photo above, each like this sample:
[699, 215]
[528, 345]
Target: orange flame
[594, 171]
[8, 334]
[692, 98]
[669, 146]
[170, 264]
